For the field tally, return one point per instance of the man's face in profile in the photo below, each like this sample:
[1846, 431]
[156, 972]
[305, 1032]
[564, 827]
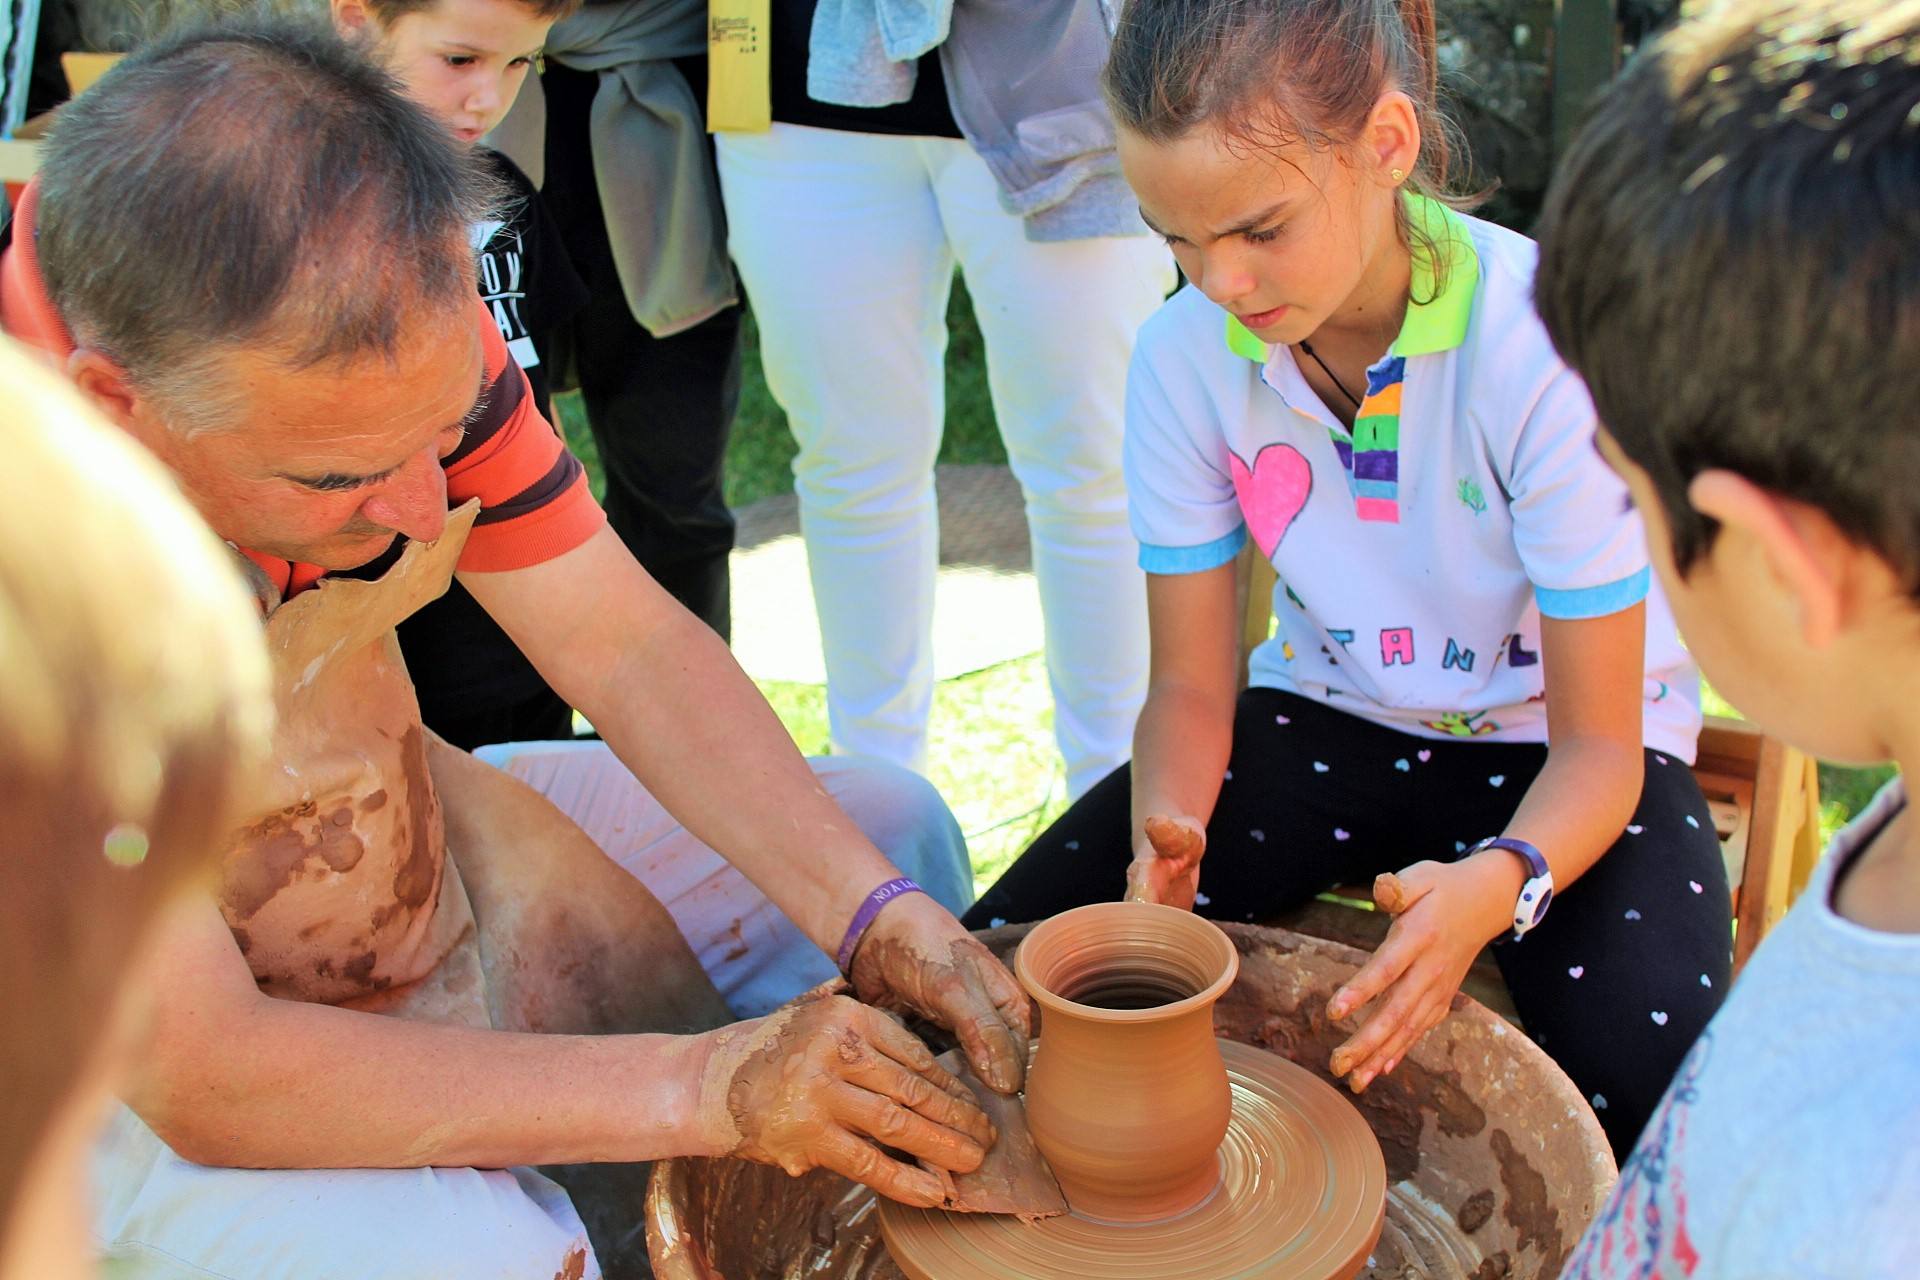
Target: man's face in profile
[325, 465]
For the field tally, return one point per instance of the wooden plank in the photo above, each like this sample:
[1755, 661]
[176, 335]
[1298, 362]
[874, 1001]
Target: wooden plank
[1778, 812]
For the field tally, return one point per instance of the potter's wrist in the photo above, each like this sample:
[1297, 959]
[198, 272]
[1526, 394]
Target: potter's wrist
[866, 917]
[710, 1062]
[1495, 878]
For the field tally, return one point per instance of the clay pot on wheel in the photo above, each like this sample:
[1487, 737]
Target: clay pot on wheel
[1128, 1098]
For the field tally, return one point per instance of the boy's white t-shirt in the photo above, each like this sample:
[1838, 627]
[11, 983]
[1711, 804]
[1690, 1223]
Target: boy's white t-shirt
[1788, 1145]
[1417, 551]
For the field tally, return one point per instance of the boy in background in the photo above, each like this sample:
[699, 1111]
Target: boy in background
[464, 61]
[1730, 256]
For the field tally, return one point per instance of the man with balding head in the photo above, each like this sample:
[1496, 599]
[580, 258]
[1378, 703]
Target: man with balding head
[253, 254]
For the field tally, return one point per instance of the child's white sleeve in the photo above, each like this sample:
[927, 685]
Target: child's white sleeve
[1180, 495]
[1580, 541]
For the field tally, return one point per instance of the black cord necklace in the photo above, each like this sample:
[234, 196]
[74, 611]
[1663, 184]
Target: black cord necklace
[1315, 357]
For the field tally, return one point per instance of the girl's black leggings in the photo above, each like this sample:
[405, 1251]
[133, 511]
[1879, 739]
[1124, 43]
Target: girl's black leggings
[1617, 981]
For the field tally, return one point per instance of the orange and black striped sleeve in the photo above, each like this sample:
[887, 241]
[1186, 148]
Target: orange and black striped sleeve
[534, 501]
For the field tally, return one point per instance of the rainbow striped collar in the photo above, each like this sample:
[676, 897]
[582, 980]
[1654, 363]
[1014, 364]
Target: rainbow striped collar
[1436, 320]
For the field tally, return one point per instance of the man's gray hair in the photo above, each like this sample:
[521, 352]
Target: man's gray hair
[258, 184]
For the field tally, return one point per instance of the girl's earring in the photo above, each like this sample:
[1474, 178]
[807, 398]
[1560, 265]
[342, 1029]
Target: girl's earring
[1398, 174]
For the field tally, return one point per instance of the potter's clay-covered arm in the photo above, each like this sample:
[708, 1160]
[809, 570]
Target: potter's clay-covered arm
[1185, 730]
[236, 1078]
[666, 694]
[1578, 805]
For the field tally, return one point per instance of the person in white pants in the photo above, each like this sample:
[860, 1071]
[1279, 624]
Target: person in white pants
[847, 243]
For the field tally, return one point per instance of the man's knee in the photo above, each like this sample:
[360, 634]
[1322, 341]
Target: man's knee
[163, 1218]
[906, 818]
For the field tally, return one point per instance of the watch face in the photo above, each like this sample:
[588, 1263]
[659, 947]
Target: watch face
[1540, 907]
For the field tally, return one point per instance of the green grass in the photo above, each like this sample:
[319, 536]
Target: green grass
[991, 747]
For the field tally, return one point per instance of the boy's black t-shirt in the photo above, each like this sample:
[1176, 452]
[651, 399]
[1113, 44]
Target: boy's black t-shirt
[924, 115]
[526, 278]
[462, 663]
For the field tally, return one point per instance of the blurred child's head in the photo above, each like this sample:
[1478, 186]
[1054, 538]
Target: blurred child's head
[464, 60]
[1730, 256]
[1268, 141]
[133, 703]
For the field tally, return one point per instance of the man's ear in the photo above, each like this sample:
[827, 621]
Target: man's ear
[102, 382]
[1798, 544]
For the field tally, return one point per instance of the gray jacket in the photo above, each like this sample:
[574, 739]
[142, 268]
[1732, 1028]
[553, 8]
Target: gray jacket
[651, 157]
[1023, 81]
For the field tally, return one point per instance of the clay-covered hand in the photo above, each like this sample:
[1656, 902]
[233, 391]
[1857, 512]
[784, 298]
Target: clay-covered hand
[1443, 914]
[917, 958]
[820, 1084]
[1166, 862]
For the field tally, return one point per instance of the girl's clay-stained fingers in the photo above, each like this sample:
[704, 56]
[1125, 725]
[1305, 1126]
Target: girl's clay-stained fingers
[1424, 1018]
[1176, 839]
[850, 1157]
[1403, 1000]
[1384, 969]
[884, 1078]
[1395, 893]
[895, 1126]
[1140, 881]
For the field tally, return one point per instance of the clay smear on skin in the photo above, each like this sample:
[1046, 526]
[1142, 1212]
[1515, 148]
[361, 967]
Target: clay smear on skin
[913, 971]
[419, 873]
[275, 849]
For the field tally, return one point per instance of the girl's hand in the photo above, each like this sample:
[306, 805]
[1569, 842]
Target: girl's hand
[1443, 913]
[1166, 862]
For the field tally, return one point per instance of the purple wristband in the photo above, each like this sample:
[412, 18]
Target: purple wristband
[863, 918]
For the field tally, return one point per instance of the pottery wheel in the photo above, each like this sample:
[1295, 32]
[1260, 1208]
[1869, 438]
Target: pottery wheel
[1302, 1196]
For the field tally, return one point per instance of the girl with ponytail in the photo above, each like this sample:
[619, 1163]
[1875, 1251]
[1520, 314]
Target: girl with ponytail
[1355, 382]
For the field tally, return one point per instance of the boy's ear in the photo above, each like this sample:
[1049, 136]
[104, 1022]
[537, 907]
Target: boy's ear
[1798, 545]
[352, 18]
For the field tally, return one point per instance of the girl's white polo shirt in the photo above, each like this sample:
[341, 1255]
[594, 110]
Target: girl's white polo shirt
[1417, 551]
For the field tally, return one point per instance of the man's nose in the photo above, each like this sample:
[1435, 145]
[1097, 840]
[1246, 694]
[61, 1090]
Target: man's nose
[414, 500]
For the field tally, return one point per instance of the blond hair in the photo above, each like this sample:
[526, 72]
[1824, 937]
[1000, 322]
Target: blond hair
[134, 701]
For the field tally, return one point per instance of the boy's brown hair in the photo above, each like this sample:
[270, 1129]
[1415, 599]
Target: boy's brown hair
[1730, 256]
[390, 11]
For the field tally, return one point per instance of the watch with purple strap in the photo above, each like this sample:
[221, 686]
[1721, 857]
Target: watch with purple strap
[1530, 908]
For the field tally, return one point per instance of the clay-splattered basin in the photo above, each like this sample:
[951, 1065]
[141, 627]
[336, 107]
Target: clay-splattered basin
[1496, 1164]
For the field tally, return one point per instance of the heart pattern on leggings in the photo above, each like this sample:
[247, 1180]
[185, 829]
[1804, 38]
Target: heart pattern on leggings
[1272, 492]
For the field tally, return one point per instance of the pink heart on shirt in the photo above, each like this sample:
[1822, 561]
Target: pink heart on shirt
[1273, 493]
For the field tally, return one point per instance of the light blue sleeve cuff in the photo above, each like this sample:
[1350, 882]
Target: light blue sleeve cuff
[1208, 555]
[1594, 602]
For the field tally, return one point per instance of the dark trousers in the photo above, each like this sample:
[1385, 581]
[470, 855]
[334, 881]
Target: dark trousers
[1617, 981]
[661, 409]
